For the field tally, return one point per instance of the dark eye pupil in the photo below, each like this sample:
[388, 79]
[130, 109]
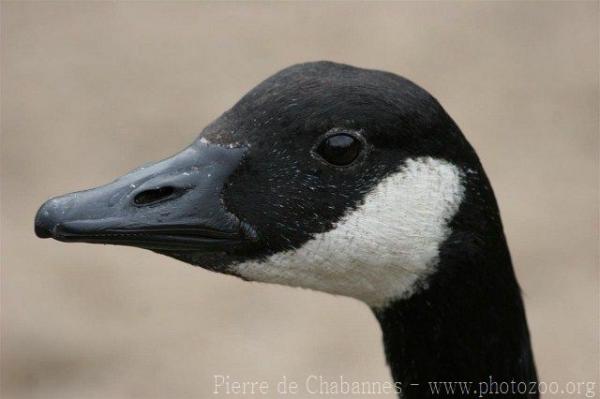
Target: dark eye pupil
[340, 149]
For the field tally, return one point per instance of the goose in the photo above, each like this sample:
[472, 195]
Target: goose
[345, 180]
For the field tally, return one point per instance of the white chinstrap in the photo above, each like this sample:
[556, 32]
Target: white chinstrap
[378, 252]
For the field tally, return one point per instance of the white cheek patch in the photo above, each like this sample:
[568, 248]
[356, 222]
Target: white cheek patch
[378, 252]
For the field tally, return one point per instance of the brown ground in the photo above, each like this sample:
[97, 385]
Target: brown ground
[91, 90]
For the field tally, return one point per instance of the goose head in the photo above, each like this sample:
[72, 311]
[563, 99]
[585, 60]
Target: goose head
[344, 180]
[324, 176]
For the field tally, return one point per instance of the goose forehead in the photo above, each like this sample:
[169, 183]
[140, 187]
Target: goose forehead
[381, 250]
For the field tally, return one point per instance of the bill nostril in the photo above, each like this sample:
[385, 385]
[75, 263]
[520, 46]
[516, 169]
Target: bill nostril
[153, 196]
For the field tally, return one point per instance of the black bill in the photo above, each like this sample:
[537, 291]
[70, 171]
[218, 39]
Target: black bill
[174, 204]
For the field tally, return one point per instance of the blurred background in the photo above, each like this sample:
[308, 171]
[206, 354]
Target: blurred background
[92, 90]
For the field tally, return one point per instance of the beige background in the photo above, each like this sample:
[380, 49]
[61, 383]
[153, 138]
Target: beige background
[91, 90]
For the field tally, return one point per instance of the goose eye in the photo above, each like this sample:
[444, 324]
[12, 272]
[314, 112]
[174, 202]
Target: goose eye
[340, 149]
